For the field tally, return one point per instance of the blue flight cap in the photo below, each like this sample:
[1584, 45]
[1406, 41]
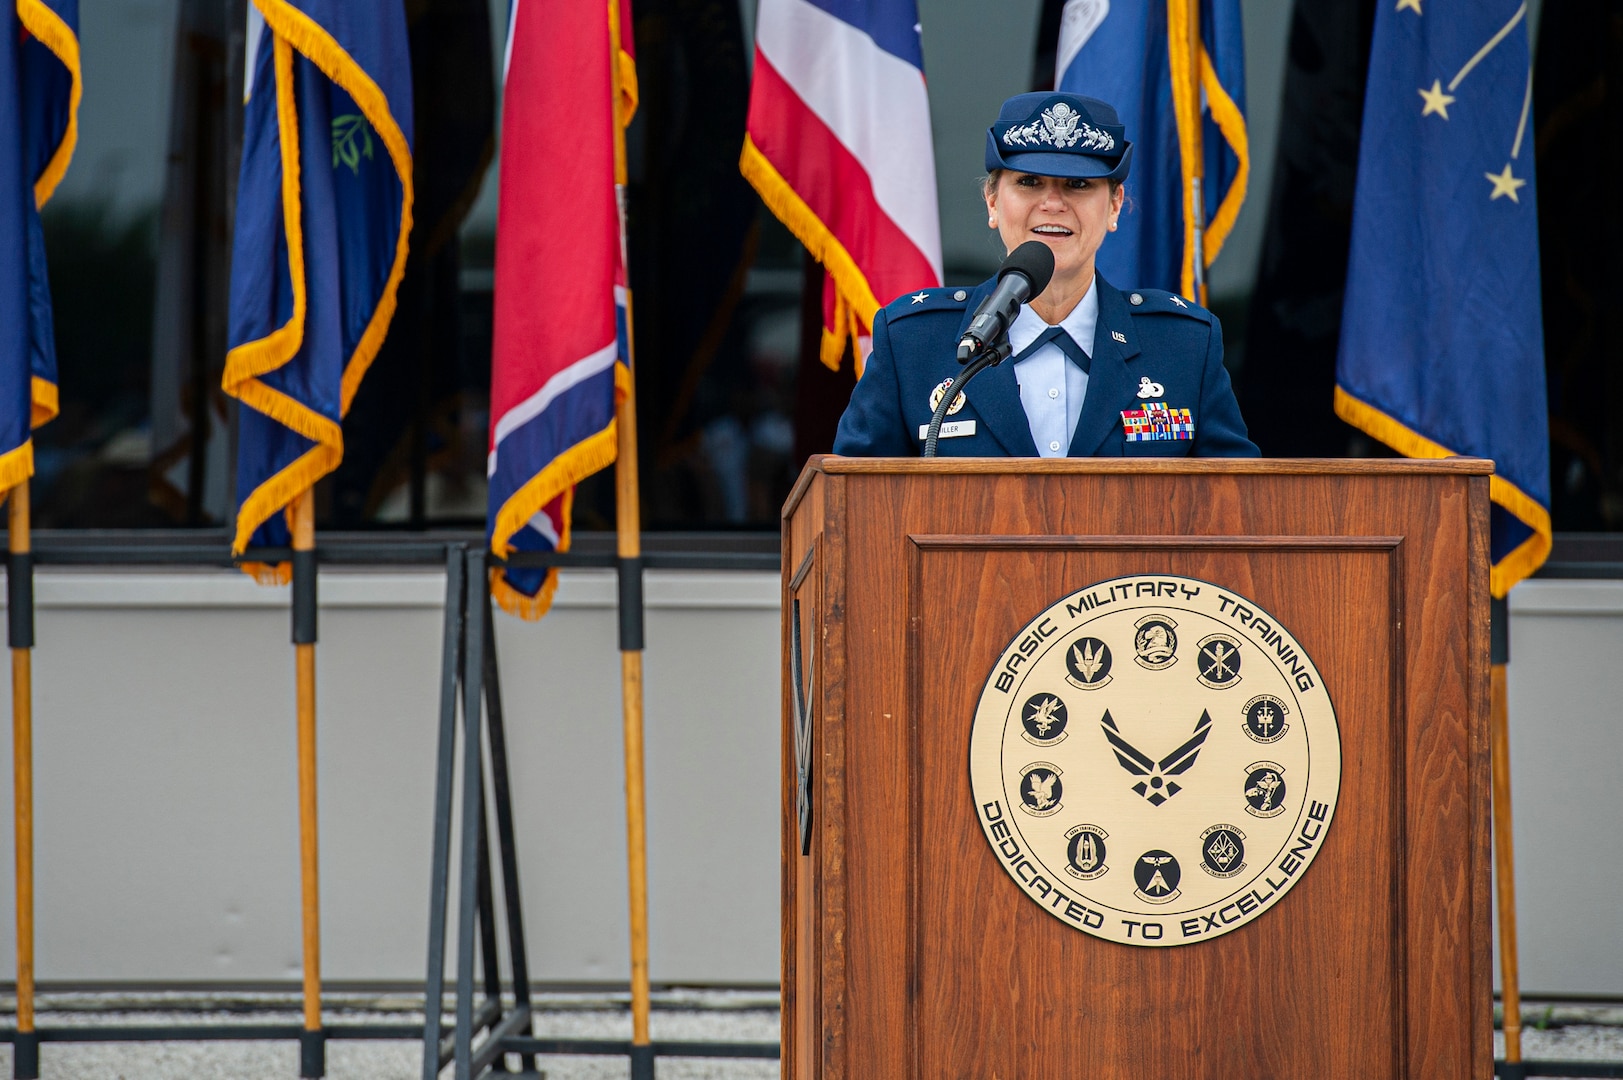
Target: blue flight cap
[1054, 134]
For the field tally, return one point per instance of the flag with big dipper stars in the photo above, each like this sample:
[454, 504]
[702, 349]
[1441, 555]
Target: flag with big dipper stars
[1442, 340]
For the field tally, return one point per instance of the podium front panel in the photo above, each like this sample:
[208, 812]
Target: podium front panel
[910, 951]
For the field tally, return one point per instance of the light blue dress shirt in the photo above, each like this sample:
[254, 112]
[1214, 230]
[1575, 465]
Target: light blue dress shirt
[1051, 385]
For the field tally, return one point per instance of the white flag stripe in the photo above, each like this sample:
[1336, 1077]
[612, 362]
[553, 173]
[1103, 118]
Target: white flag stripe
[874, 103]
[536, 403]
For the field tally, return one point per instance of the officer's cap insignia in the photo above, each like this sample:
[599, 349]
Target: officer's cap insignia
[941, 388]
[1087, 663]
[1061, 127]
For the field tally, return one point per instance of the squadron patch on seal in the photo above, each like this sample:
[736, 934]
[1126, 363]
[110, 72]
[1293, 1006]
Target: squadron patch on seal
[1044, 718]
[1087, 663]
[1085, 854]
[1265, 718]
[1155, 646]
[1040, 789]
[1140, 771]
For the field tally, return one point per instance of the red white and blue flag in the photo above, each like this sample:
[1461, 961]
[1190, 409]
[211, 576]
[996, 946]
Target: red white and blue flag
[838, 145]
[561, 358]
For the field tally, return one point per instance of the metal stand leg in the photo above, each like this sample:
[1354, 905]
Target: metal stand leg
[506, 843]
[444, 782]
[472, 811]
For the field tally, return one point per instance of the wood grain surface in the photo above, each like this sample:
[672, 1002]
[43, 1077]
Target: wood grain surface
[908, 950]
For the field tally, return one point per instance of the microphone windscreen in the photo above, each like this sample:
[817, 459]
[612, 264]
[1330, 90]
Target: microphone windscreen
[1035, 260]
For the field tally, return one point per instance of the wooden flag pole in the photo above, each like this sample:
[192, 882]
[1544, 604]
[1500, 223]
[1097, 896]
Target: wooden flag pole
[304, 658]
[22, 756]
[1504, 861]
[1183, 37]
[628, 528]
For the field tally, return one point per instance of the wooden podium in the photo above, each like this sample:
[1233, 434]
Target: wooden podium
[910, 950]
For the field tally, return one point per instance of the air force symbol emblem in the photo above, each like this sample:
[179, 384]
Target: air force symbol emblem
[1148, 767]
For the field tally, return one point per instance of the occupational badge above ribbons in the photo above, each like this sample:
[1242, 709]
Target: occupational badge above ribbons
[1155, 760]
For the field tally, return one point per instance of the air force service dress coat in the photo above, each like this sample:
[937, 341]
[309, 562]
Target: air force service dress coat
[1150, 348]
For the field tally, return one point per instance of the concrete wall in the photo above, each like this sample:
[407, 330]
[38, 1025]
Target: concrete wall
[165, 778]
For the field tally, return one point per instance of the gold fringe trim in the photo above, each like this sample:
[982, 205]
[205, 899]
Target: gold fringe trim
[1231, 122]
[294, 29]
[559, 477]
[531, 608]
[315, 43]
[44, 406]
[58, 36]
[16, 466]
[850, 284]
[629, 97]
[1516, 565]
[1185, 76]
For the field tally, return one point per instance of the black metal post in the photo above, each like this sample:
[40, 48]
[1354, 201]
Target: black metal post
[473, 660]
[507, 845]
[439, 882]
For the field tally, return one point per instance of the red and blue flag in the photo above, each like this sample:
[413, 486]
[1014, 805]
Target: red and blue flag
[323, 216]
[561, 350]
[838, 146]
[39, 105]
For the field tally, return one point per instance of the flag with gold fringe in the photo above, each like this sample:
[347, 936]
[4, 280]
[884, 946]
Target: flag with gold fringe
[561, 349]
[323, 216]
[1442, 342]
[39, 106]
[838, 146]
[1175, 71]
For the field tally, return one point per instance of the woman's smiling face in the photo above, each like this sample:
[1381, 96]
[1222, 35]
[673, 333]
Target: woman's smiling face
[1071, 216]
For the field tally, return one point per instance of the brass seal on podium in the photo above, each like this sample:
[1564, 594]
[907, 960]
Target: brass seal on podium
[1157, 757]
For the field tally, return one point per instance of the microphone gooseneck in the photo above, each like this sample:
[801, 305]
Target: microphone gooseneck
[1024, 274]
[988, 358]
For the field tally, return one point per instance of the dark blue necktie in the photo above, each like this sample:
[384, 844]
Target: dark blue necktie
[1067, 345]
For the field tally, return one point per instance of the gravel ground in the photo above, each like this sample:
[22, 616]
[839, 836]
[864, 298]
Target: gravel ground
[693, 1015]
[1570, 1034]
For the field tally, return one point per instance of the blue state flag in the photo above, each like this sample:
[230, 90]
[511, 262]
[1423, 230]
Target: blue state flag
[1442, 340]
[323, 217]
[39, 105]
[1184, 110]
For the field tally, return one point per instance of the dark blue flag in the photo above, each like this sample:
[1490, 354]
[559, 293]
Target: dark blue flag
[1137, 57]
[323, 219]
[39, 104]
[1442, 347]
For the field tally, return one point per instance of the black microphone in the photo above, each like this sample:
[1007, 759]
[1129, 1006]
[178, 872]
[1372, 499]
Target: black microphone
[1025, 273]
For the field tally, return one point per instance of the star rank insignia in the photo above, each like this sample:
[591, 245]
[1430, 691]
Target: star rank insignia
[1176, 299]
[919, 298]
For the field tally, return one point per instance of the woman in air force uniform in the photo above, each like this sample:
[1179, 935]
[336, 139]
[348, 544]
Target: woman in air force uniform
[1095, 372]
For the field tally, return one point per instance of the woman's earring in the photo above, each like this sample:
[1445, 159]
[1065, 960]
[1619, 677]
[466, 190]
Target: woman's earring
[991, 223]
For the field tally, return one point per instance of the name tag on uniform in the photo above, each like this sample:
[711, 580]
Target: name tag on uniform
[955, 430]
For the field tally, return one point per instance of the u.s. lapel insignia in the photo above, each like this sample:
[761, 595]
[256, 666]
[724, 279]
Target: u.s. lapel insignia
[935, 398]
[1148, 388]
[1119, 336]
